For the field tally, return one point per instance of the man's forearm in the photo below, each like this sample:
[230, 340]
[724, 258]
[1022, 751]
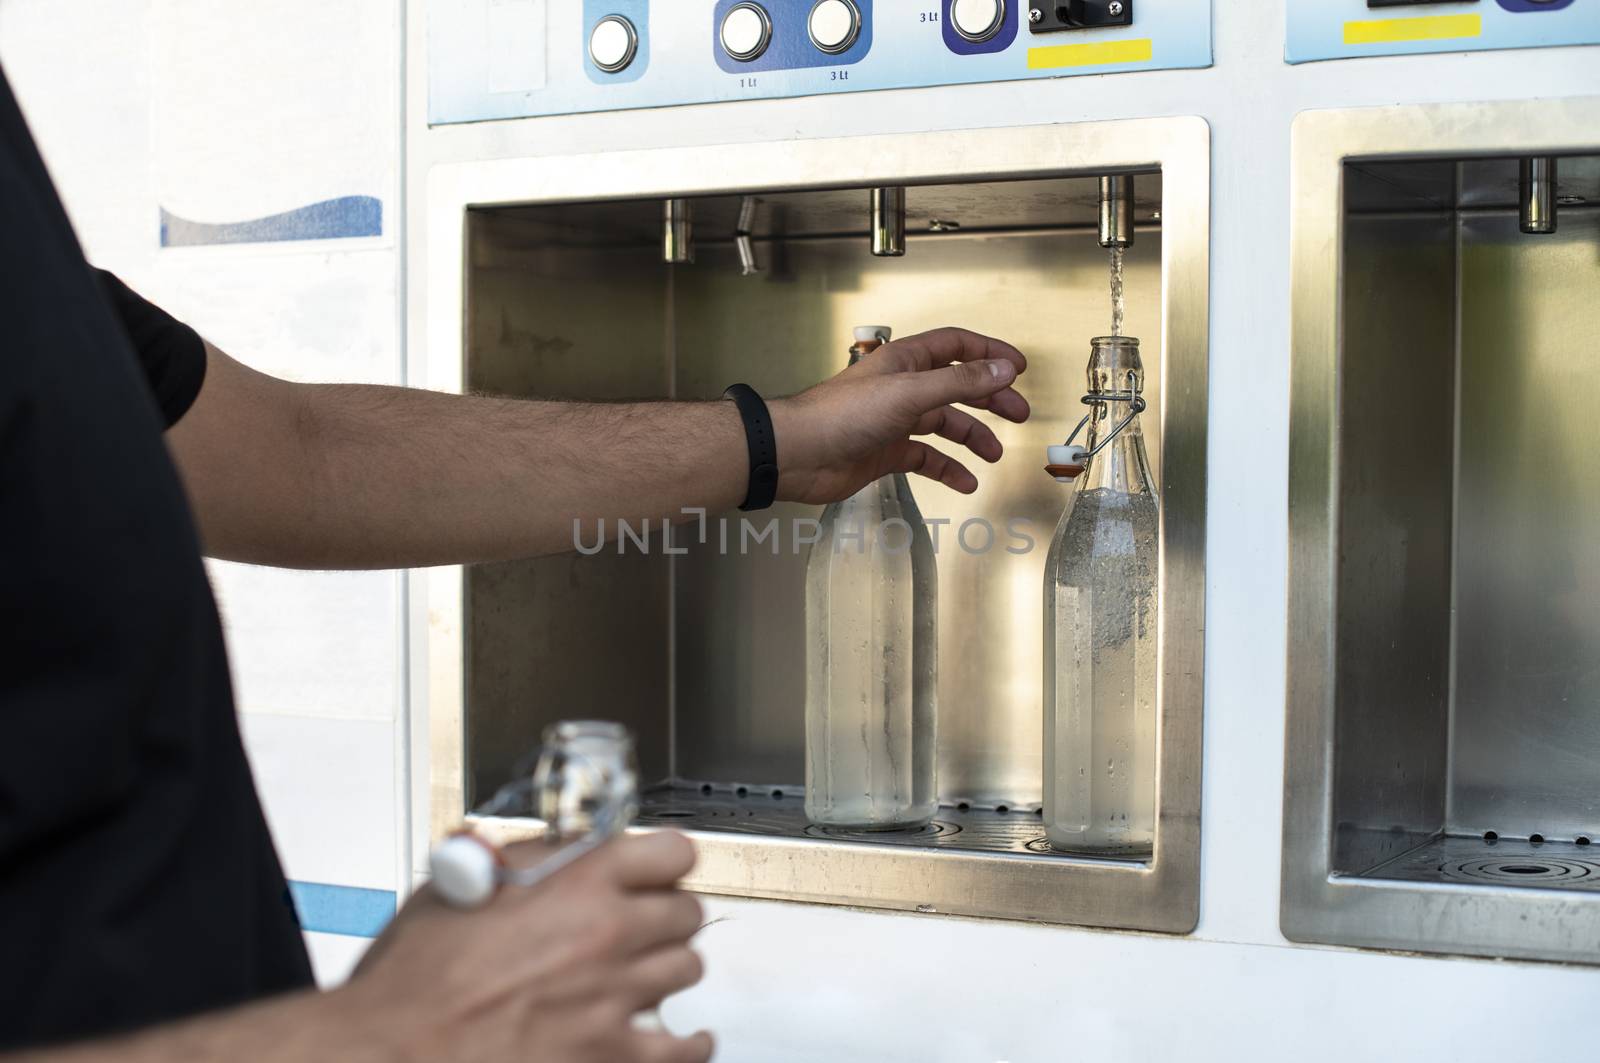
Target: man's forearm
[410, 477]
[362, 476]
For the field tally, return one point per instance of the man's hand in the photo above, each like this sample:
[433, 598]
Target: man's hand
[845, 432]
[553, 973]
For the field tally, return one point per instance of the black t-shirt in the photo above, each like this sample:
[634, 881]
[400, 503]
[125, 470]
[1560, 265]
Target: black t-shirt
[137, 879]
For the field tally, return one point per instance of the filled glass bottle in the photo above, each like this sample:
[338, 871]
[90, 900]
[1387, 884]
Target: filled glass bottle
[871, 645]
[1101, 624]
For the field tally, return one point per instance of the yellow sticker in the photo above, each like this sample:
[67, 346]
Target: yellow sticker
[1101, 53]
[1423, 28]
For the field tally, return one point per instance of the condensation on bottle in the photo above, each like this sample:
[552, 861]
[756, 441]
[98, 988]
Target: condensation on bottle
[1101, 629]
[871, 648]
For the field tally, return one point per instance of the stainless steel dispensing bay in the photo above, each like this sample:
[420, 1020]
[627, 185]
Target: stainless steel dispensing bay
[675, 273]
[1443, 771]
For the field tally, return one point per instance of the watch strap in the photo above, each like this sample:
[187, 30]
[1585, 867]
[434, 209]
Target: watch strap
[762, 444]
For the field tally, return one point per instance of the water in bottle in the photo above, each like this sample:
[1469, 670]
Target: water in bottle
[1101, 624]
[871, 645]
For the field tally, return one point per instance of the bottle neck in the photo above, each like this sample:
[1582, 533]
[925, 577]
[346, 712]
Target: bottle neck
[1115, 368]
[1123, 465]
[861, 348]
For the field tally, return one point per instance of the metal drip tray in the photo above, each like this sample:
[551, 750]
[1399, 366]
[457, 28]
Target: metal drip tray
[1503, 862]
[780, 812]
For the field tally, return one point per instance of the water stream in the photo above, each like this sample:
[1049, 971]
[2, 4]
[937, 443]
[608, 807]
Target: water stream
[1117, 305]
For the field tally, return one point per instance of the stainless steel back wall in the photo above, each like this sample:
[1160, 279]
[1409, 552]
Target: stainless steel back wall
[560, 320]
[1526, 738]
[566, 636]
[741, 619]
[1398, 393]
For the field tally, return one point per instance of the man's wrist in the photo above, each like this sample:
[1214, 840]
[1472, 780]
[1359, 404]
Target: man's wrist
[794, 459]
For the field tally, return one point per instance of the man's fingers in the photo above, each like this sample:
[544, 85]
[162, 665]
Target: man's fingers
[967, 383]
[1007, 403]
[648, 861]
[654, 977]
[947, 422]
[661, 1047]
[941, 346]
[923, 460]
[658, 919]
[927, 356]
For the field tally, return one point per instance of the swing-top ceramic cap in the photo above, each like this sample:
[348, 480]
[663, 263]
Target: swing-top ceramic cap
[1073, 455]
[463, 871]
[868, 333]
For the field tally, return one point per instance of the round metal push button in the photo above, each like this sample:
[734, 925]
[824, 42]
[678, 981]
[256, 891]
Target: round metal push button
[834, 25]
[978, 20]
[613, 43]
[746, 32]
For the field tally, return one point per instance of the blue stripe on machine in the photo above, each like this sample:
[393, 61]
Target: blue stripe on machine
[348, 910]
[332, 219]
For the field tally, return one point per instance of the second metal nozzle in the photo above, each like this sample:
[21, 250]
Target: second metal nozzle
[888, 222]
[677, 232]
[1538, 195]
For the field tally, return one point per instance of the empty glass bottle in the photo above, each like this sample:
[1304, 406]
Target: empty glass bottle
[871, 645]
[585, 780]
[1100, 623]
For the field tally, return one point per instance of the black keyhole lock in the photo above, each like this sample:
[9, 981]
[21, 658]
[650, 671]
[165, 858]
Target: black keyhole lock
[1046, 16]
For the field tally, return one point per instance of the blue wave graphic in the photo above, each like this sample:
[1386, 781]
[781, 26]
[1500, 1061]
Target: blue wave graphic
[343, 218]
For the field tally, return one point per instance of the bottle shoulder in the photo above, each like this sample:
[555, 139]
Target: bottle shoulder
[1102, 524]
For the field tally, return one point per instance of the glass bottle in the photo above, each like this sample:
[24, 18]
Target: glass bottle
[871, 644]
[586, 788]
[1100, 623]
[585, 780]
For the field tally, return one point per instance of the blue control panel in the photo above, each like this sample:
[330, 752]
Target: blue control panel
[791, 47]
[490, 59]
[1346, 29]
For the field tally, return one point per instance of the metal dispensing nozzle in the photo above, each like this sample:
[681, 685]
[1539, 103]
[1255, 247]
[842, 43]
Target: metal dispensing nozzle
[1116, 211]
[677, 233]
[741, 237]
[888, 222]
[1538, 195]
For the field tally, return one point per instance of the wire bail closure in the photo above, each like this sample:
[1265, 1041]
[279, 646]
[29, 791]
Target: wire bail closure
[468, 869]
[1129, 395]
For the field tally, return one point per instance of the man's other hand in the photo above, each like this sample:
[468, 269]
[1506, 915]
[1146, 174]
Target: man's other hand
[848, 431]
[555, 972]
